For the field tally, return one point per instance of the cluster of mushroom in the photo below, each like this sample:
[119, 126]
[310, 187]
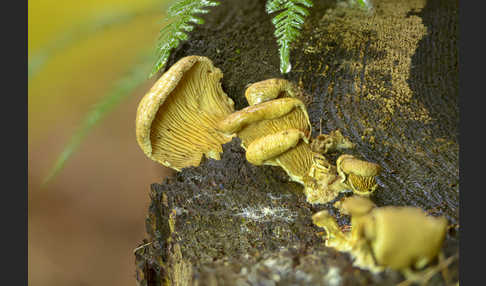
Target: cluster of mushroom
[275, 130]
[400, 238]
[186, 115]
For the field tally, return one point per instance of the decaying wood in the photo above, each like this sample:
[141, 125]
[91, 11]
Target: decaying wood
[387, 80]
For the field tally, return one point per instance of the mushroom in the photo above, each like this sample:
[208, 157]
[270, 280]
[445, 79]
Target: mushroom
[334, 236]
[268, 147]
[358, 174]
[357, 206]
[279, 113]
[176, 120]
[274, 132]
[269, 89]
[400, 238]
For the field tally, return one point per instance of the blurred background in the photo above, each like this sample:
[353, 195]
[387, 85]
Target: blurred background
[84, 224]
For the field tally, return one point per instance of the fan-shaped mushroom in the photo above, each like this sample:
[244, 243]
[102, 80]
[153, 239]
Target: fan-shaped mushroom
[176, 120]
[401, 238]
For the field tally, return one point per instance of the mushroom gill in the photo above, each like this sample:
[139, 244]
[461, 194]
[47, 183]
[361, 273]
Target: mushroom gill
[176, 120]
[359, 174]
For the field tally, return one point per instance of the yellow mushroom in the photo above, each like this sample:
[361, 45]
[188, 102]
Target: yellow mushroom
[423, 235]
[271, 89]
[334, 236]
[176, 120]
[270, 116]
[271, 134]
[400, 238]
[270, 146]
[358, 174]
[357, 206]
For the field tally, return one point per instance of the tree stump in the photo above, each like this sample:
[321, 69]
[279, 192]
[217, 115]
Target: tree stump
[387, 79]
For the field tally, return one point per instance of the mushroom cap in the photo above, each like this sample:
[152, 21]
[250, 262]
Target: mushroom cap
[176, 120]
[406, 236]
[357, 206]
[358, 174]
[322, 218]
[351, 165]
[271, 89]
[270, 116]
[270, 146]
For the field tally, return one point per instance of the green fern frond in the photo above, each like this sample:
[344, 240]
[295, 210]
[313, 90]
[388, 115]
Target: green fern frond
[180, 19]
[122, 88]
[287, 25]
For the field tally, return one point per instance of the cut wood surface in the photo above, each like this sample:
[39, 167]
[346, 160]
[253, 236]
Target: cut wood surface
[388, 80]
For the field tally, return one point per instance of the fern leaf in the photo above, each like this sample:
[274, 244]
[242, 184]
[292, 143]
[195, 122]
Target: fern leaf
[287, 25]
[122, 88]
[181, 18]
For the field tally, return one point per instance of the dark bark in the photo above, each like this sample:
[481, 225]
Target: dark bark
[388, 81]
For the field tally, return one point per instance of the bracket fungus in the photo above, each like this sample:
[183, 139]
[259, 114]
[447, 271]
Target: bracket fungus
[176, 120]
[275, 130]
[400, 238]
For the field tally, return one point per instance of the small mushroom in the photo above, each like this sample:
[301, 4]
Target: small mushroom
[357, 206]
[358, 174]
[400, 238]
[334, 237]
[268, 116]
[176, 120]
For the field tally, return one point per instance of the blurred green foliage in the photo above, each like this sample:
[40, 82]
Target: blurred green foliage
[83, 31]
[121, 88]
